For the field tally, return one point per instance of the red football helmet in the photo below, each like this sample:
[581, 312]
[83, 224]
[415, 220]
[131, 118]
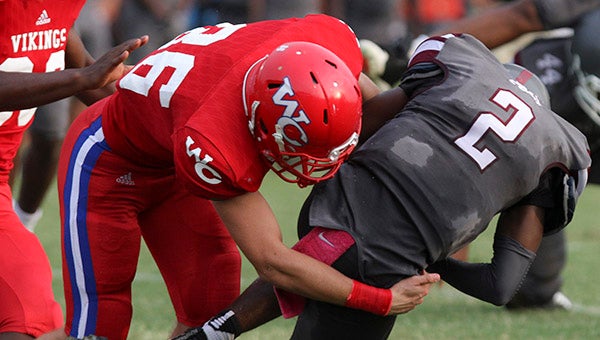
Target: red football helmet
[304, 110]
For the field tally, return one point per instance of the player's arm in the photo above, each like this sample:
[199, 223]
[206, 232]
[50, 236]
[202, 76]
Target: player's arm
[517, 237]
[381, 108]
[504, 23]
[545, 210]
[376, 107]
[26, 90]
[101, 73]
[499, 24]
[253, 226]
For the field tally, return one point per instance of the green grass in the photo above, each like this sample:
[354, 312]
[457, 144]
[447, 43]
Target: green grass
[446, 313]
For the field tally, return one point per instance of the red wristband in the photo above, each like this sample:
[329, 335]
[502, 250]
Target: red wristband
[368, 298]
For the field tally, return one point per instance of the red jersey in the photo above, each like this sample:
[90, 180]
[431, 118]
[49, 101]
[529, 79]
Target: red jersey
[33, 37]
[181, 107]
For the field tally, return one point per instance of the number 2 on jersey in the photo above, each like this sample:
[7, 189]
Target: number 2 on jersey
[510, 131]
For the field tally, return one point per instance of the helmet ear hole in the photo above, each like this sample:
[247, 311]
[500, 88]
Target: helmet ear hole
[314, 78]
[331, 63]
[272, 86]
[325, 117]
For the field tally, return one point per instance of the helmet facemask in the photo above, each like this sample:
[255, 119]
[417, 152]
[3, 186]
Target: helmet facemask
[303, 169]
[587, 91]
[585, 48]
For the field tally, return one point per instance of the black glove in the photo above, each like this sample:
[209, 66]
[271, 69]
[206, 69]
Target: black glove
[562, 13]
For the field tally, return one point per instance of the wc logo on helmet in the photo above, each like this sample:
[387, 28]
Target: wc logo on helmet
[288, 125]
[203, 169]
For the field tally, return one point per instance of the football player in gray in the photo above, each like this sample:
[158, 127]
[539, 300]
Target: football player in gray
[566, 57]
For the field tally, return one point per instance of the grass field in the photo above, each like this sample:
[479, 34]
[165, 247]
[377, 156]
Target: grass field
[446, 313]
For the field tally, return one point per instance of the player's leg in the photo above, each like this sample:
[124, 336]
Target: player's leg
[196, 256]
[27, 304]
[329, 322]
[40, 158]
[101, 238]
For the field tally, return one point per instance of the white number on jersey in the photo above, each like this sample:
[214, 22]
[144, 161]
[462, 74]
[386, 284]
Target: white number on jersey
[510, 131]
[56, 62]
[182, 63]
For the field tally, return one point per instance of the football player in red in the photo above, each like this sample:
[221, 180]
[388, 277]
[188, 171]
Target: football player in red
[36, 42]
[177, 155]
[474, 139]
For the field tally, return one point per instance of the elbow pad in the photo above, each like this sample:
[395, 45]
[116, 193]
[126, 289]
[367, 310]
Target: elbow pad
[494, 282]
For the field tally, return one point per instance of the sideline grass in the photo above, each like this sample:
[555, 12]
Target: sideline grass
[446, 313]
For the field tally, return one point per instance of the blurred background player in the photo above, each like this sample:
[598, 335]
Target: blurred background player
[37, 160]
[35, 165]
[37, 44]
[159, 19]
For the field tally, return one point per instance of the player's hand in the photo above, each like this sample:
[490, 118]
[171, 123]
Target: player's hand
[110, 67]
[561, 13]
[410, 292]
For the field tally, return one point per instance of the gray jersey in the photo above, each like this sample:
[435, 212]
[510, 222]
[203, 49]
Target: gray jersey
[469, 144]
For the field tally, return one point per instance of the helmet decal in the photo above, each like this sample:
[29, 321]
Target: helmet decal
[288, 125]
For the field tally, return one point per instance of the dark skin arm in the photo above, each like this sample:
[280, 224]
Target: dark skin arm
[524, 224]
[379, 109]
[26, 90]
[499, 25]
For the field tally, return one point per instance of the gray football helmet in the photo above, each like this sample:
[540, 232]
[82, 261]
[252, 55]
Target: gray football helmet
[586, 64]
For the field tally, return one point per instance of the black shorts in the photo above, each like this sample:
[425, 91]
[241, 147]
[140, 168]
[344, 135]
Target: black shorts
[320, 320]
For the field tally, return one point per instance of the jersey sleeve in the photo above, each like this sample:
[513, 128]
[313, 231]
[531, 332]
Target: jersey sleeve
[423, 69]
[202, 168]
[421, 77]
